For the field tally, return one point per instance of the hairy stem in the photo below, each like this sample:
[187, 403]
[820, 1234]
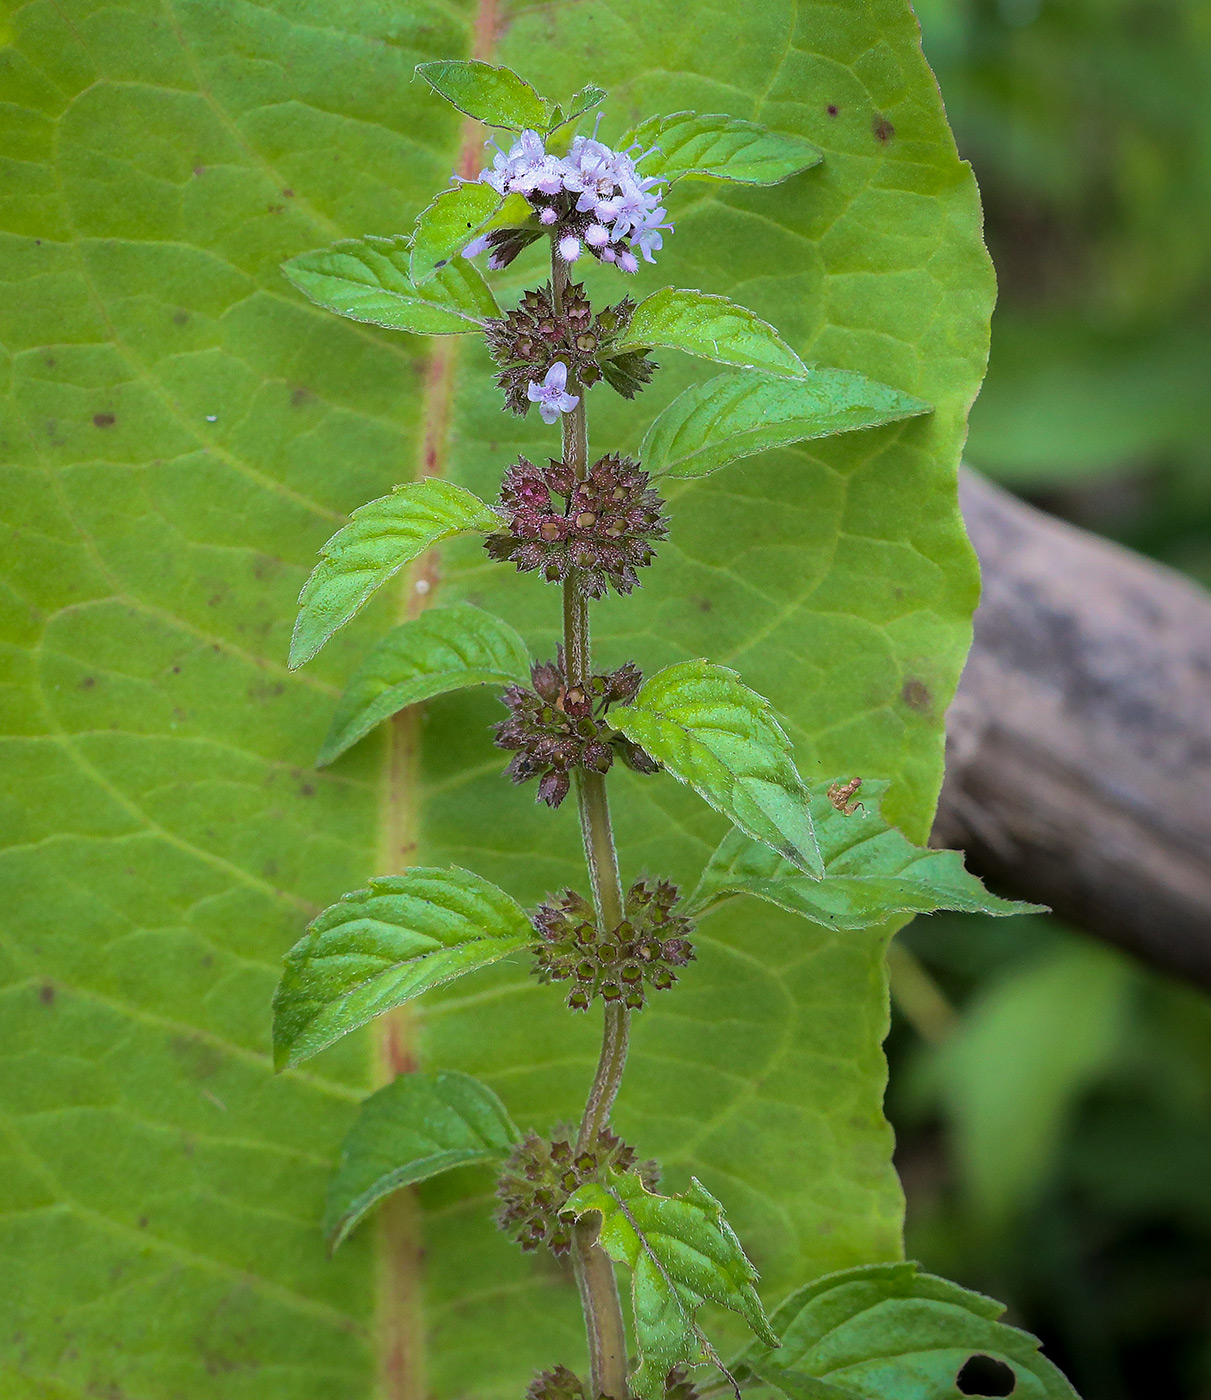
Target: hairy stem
[594, 1270]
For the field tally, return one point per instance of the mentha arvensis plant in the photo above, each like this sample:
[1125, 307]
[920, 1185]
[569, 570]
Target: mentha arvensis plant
[583, 523]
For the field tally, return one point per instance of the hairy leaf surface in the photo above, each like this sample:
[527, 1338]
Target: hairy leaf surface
[416, 1127]
[379, 540]
[890, 1332]
[495, 96]
[183, 430]
[722, 147]
[736, 415]
[711, 326]
[723, 739]
[681, 1253]
[871, 872]
[367, 279]
[380, 947]
[443, 649]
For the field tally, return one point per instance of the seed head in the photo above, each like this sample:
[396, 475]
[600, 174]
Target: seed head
[637, 954]
[602, 528]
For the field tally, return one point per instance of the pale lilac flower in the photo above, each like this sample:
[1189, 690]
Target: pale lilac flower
[552, 395]
[476, 246]
[547, 216]
[597, 235]
[648, 237]
[569, 248]
[628, 262]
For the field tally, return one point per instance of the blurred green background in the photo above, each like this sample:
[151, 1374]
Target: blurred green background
[1053, 1105]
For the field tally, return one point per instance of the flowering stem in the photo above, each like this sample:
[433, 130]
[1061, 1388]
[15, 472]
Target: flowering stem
[593, 1267]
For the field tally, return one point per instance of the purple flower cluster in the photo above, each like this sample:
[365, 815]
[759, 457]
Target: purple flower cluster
[539, 1176]
[556, 727]
[621, 964]
[593, 199]
[604, 530]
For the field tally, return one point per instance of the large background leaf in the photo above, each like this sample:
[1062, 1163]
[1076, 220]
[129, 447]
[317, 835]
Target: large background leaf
[182, 432]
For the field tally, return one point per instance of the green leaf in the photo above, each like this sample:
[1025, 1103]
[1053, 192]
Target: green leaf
[737, 415]
[710, 326]
[494, 96]
[871, 871]
[454, 218]
[382, 946]
[681, 1253]
[379, 540]
[720, 147]
[443, 649]
[415, 1127]
[890, 1332]
[723, 739]
[580, 103]
[172, 839]
[367, 279]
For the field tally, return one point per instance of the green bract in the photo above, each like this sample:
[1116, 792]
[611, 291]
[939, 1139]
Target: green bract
[717, 146]
[442, 650]
[379, 540]
[416, 1127]
[382, 946]
[890, 1332]
[367, 279]
[681, 1253]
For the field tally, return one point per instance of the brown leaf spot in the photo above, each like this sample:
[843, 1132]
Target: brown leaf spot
[833, 109]
[288, 193]
[882, 128]
[300, 395]
[916, 695]
[103, 420]
[180, 317]
[46, 994]
[87, 682]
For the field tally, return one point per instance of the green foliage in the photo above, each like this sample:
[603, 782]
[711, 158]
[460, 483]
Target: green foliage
[723, 739]
[1029, 1046]
[871, 872]
[719, 147]
[443, 649]
[454, 218]
[681, 1253]
[494, 96]
[416, 1127]
[367, 279]
[737, 415]
[184, 431]
[890, 1332]
[713, 327]
[380, 947]
[379, 540]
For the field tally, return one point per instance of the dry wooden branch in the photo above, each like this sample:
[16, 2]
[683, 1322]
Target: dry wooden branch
[1079, 743]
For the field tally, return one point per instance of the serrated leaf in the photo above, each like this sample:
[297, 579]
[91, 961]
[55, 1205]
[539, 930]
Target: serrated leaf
[577, 105]
[454, 218]
[681, 1253]
[709, 425]
[413, 1128]
[367, 279]
[379, 540]
[163, 754]
[891, 1332]
[871, 872]
[711, 327]
[443, 649]
[721, 147]
[492, 95]
[722, 738]
[382, 946]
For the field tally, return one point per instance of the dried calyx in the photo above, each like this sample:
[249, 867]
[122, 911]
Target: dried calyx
[556, 1384]
[555, 727]
[623, 963]
[534, 336]
[600, 529]
[540, 1175]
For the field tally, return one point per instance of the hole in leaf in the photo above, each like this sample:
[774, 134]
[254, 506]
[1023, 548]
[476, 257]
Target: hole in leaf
[985, 1375]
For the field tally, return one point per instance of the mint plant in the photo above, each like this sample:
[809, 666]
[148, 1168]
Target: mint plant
[587, 523]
